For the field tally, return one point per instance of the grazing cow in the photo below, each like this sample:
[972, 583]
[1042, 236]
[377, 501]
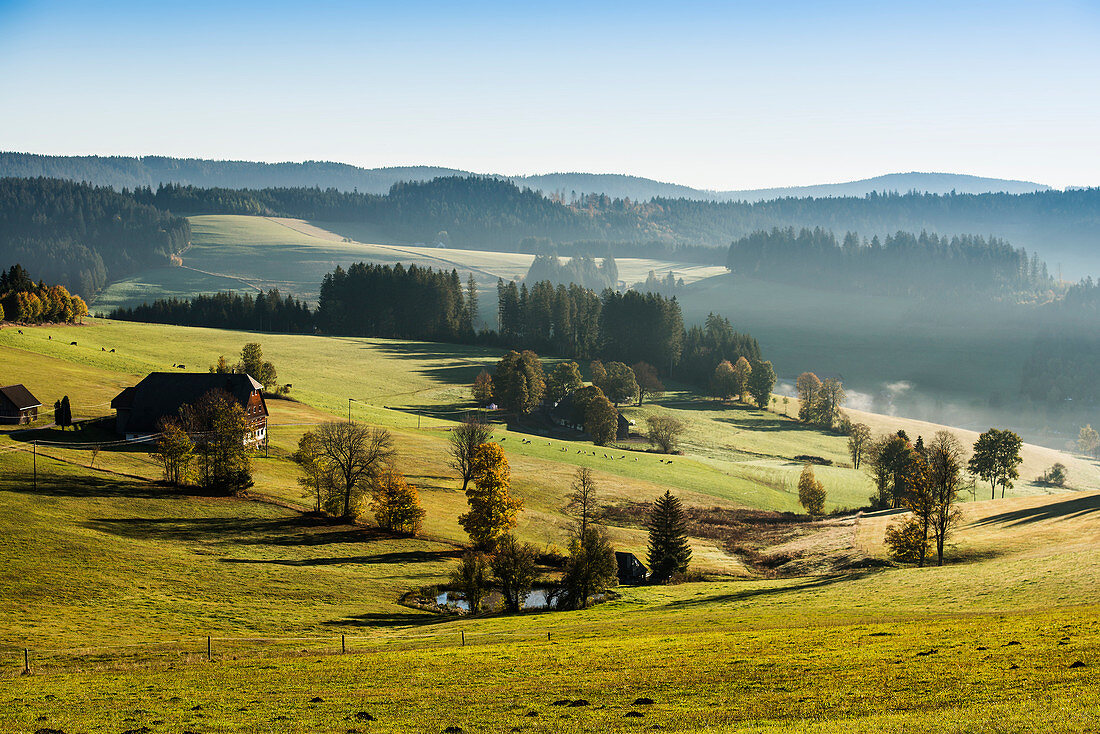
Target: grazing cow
[103, 349]
[20, 331]
[72, 344]
[182, 366]
[112, 351]
[50, 337]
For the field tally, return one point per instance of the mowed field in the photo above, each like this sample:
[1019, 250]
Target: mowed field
[115, 582]
[241, 253]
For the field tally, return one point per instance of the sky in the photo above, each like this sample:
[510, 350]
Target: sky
[731, 95]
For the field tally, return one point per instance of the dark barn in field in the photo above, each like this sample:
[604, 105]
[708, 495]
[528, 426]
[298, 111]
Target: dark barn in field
[17, 405]
[631, 570]
[162, 394]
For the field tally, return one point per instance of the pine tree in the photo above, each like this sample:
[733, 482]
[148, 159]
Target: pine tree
[669, 551]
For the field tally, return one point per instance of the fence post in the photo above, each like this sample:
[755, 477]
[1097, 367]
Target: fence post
[26, 661]
[208, 647]
[343, 647]
[548, 636]
[464, 638]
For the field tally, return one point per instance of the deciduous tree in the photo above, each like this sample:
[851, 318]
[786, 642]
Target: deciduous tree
[811, 492]
[742, 371]
[996, 459]
[515, 568]
[564, 379]
[353, 456]
[464, 440]
[316, 479]
[519, 383]
[472, 579]
[664, 432]
[859, 440]
[649, 384]
[174, 450]
[482, 388]
[589, 569]
[493, 511]
[218, 424]
[601, 420]
[621, 385]
[395, 503]
[945, 462]
[1088, 441]
[723, 383]
[761, 382]
[807, 386]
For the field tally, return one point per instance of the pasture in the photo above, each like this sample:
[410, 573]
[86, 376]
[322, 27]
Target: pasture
[242, 253]
[116, 581]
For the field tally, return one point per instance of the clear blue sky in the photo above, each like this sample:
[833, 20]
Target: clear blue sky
[717, 95]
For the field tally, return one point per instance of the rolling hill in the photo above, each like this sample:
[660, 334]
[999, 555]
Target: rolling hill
[117, 581]
[130, 172]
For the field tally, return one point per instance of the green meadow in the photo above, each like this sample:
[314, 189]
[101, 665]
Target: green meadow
[244, 253]
[114, 582]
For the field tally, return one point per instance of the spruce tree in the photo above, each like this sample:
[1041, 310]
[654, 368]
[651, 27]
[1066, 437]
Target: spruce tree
[669, 551]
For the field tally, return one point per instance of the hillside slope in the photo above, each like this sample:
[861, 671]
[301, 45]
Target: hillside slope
[129, 172]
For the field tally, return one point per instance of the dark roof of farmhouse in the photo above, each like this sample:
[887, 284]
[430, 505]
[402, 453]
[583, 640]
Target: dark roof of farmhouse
[162, 394]
[20, 397]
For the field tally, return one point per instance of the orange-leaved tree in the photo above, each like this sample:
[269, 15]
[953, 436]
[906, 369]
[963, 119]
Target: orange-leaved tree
[493, 510]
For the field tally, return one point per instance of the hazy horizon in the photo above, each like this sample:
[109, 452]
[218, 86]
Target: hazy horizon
[706, 95]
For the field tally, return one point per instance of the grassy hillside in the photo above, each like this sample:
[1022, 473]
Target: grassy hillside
[239, 253]
[117, 581]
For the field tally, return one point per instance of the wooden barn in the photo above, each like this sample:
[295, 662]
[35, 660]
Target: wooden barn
[631, 570]
[162, 394]
[17, 405]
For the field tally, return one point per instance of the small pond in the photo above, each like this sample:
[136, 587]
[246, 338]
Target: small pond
[535, 599]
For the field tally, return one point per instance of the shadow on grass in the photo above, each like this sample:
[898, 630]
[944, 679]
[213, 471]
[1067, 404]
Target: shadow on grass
[417, 556]
[93, 485]
[742, 416]
[755, 593]
[1064, 510]
[387, 619]
[227, 529]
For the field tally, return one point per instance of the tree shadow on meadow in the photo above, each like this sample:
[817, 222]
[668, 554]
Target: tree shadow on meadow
[388, 619]
[741, 416]
[414, 556]
[1064, 510]
[768, 591]
[102, 485]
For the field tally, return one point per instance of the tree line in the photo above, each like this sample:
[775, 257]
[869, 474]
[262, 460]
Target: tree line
[488, 213]
[24, 301]
[270, 311]
[83, 236]
[392, 301]
[902, 262]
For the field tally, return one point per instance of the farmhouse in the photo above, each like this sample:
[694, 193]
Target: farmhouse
[565, 413]
[162, 394]
[17, 405]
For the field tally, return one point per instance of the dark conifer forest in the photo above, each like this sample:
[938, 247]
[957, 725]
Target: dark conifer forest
[83, 236]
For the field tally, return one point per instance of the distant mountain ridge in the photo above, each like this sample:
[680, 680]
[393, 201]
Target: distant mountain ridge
[130, 172]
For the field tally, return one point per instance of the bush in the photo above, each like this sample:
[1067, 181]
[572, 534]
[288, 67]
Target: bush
[904, 541]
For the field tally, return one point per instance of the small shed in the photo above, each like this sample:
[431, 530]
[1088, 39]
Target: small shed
[17, 405]
[631, 570]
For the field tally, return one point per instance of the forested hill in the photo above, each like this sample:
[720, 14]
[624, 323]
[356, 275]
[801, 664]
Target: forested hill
[126, 172]
[494, 214]
[82, 236]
